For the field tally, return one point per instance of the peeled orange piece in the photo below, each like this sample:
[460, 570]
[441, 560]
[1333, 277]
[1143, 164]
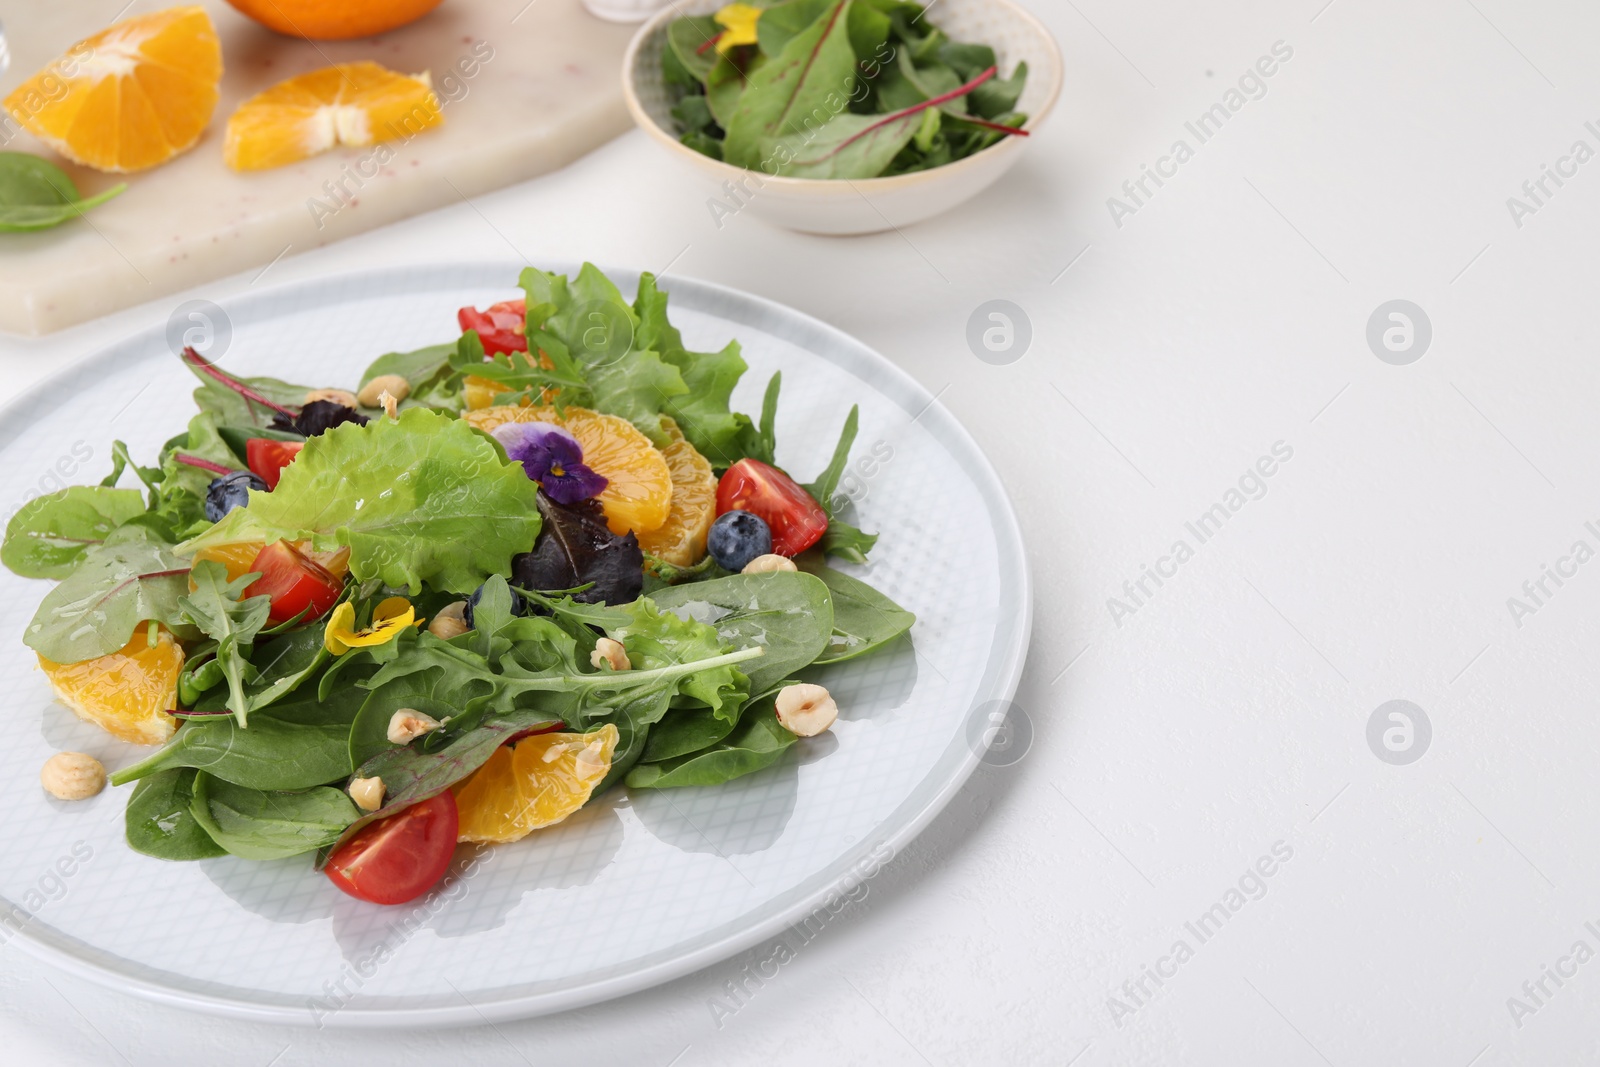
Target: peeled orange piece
[237, 557]
[681, 540]
[129, 97]
[334, 20]
[536, 782]
[638, 495]
[128, 692]
[346, 104]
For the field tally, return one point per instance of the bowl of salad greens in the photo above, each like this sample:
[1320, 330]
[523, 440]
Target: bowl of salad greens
[842, 116]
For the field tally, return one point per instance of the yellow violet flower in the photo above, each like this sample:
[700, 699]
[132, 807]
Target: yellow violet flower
[738, 22]
[388, 619]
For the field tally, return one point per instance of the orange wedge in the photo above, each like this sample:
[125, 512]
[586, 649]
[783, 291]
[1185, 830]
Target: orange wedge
[128, 692]
[129, 97]
[322, 20]
[348, 104]
[536, 782]
[681, 540]
[638, 494]
[237, 557]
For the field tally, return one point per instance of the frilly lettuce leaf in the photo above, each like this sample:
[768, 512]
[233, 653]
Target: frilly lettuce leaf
[421, 498]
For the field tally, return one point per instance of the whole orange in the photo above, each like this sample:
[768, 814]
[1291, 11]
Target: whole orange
[334, 20]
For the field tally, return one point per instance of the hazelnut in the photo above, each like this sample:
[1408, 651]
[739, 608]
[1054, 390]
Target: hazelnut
[451, 621]
[338, 396]
[609, 653]
[805, 710]
[768, 563]
[390, 406]
[393, 384]
[367, 793]
[408, 724]
[72, 776]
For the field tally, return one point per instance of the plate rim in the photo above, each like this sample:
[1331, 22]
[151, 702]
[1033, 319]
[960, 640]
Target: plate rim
[1001, 675]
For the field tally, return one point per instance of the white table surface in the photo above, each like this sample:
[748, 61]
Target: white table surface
[1175, 746]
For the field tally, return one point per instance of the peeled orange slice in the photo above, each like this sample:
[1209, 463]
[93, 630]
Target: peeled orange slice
[346, 104]
[128, 692]
[237, 557]
[536, 782]
[681, 540]
[129, 97]
[638, 495]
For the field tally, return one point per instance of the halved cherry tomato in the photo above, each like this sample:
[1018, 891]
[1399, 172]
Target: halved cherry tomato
[501, 328]
[401, 856]
[797, 521]
[267, 457]
[294, 583]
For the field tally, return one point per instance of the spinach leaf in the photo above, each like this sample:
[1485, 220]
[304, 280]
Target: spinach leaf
[293, 745]
[847, 147]
[284, 663]
[724, 87]
[790, 614]
[863, 618]
[815, 66]
[684, 731]
[216, 608]
[129, 579]
[781, 23]
[259, 825]
[998, 96]
[50, 535]
[219, 395]
[424, 497]
[158, 821]
[36, 194]
[758, 741]
[418, 368]
[632, 739]
[687, 37]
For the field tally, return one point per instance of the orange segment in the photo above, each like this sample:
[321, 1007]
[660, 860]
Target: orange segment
[681, 540]
[321, 20]
[638, 495]
[537, 782]
[237, 557]
[129, 97]
[128, 692]
[346, 104]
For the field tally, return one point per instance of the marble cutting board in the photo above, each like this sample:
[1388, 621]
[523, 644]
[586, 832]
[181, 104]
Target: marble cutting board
[525, 89]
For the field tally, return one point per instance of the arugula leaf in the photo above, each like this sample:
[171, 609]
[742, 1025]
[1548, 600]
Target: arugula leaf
[814, 66]
[657, 638]
[50, 535]
[159, 821]
[841, 539]
[36, 194]
[128, 580]
[233, 623]
[292, 745]
[259, 825]
[421, 498]
[757, 742]
[790, 614]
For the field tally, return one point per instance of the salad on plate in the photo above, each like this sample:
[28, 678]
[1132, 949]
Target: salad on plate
[498, 577]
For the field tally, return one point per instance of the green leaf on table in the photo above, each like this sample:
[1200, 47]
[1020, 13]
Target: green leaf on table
[130, 579]
[424, 497]
[50, 535]
[257, 824]
[757, 742]
[36, 194]
[788, 613]
[159, 819]
[815, 70]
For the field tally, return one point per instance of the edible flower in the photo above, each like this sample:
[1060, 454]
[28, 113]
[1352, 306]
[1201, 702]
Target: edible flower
[388, 619]
[552, 457]
[738, 22]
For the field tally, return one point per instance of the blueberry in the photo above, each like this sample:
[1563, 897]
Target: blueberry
[518, 605]
[736, 538]
[231, 491]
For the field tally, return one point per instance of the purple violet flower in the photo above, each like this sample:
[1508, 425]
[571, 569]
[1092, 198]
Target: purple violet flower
[553, 458]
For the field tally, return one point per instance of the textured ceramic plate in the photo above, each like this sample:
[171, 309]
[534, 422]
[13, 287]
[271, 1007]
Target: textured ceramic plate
[635, 889]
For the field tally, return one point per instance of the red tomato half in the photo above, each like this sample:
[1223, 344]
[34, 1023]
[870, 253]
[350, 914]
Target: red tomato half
[267, 457]
[797, 521]
[502, 328]
[399, 857]
[294, 583]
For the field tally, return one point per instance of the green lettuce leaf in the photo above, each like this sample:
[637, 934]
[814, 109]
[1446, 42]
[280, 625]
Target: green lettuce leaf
[421, 498]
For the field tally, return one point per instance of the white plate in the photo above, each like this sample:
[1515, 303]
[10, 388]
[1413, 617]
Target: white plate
[634, 890]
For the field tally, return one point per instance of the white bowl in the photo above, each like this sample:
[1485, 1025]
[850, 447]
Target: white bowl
[835, 206]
